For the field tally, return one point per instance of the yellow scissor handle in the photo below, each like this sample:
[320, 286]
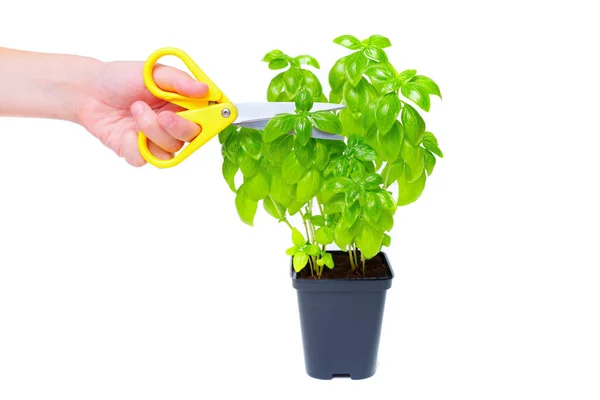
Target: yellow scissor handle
[213, 112]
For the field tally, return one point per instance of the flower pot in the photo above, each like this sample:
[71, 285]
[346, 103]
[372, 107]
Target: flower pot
[341, 323]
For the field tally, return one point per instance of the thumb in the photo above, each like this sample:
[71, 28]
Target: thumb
[175, 80]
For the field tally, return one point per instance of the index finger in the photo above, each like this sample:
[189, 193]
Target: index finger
[175, 80]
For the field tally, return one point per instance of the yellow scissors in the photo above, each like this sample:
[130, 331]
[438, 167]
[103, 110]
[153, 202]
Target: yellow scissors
[214, 112]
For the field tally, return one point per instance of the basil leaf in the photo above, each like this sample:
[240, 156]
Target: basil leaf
[309, 185]
[303, 130]
[281, 147]
[387, 240]
[369, 114]
[278, 63]
[291, 169]
[279, 190]
[300, 259]
[324, 235]
[328, 260]
[391, 142]
[430, 143]
[380, 75]
[413, 157]
[409, 192]
[326, 122]
[357, 96]
[318, 220]
[272, 55]
[337, 74]
[356, 64]
[429, 161]
[305, 153]
[348, 41]
[297, 238]
[352, 195]
[369, 241]
[303, 99]
[386, 221]
[387, 111]
[292, 78]
[251, 142]
[386, 199]
[417, 95]
[371, 207]
[257, 186]
[339, 184]
[335, 204]
[378, 41]
[321, 155]
[391, 172]
[248, 165]
[312, 83]
[364, 152]
[275, 87]
[274, 209]
[224, 134]
[427, 84]
[308, 60]
[312, 250]
[292, 250]
[414, 126]
[246, 207]
[375, 53]
[229, 170]
[407, 75]
[278, 126]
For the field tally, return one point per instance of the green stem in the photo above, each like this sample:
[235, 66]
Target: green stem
[362, 259]
[387, 175]
[281, 217]
[350, 254]
[321, 209]
[305, 226]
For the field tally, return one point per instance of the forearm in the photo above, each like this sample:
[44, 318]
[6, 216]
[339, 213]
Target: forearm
[43, 85]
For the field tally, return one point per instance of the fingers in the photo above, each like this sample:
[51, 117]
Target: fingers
[178, 127]
[130, 152]
[146, 121]
[174, 80]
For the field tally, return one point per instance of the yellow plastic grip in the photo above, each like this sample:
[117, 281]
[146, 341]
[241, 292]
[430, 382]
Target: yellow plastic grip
[213, 112]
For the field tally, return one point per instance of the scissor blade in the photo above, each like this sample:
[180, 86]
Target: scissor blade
[257, 115]
[249, 112]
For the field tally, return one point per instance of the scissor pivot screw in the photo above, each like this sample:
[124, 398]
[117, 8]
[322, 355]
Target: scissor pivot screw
[225, 113]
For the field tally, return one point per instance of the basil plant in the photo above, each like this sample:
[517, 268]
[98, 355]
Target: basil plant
[328, 191]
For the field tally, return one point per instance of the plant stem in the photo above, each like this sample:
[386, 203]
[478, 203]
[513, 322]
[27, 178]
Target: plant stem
[281, 217]
[362, 259]
[387, 175]
[350, 254]
[321, 209]
[305, 226]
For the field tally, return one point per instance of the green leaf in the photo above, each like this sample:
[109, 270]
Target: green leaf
[229, 170]
[305, 153]
[318, 220]
[375, 53]
[248, 165]
[232, 148]
[392, 171]
[275, 87]
[278, 63]
[274, 209]
[337, 74]
[279, 190]
[352, 195]
[279, 125]
[312, 83]
[300, 260]
[380, 75]
[343, 235]
[309, 185]
[224, 134]
[369, 114]
[409, 192]
[291, 169]
[387, 111]
[292, 250]
[324, 235]
[297, 238]
[357, 97]
[292, 79]
[387, 240]
[412, 156]
[312, 250]
[428, 84]
[379, 41]
[251, 142]
[326, 122]
[321, 155]
[414, 126]
[356, 64]
[281, 147]
[407, 75]
[391, 86]
[369, 241]
[339, 184]
[348, 41]
[386, 220]
[303, 129]
[386, 199]
[371, 207]
[328, 260]
[335, 204]
[391, 142]
[364, 152]
[350, 125]
[246, 207]
[430, 143]
[272, 55]
[257, 187]
[303, 99]
[308, 60]
[429, 161]
[417, 94]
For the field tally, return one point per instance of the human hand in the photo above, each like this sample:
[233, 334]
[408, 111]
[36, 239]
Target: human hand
[117, 105]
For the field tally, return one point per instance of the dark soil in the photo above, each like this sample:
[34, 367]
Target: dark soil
[374, 268]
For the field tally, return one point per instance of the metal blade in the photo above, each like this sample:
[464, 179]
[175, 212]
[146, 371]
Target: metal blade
[257, 115]
[249, 112]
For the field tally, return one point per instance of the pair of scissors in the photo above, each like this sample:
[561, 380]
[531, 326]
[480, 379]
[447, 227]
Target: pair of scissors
[214, 112]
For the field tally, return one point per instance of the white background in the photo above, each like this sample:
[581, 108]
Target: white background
[124, 283]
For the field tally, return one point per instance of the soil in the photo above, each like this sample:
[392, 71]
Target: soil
[374, 268]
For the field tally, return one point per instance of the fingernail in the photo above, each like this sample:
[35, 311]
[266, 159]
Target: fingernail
[137, 109]
[166, 119]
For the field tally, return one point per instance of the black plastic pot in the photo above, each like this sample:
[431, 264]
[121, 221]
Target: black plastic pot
[341, 323]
